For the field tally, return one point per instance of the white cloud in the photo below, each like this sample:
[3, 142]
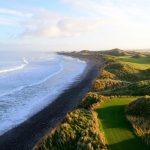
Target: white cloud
[6, 21]
[108, 22]
[119, 10]
[13, 12]
[50, 24]
[12, 17]
[95, 15]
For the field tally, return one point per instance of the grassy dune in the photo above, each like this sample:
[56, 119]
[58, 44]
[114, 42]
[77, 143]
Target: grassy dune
[125, 75]
[118, 131]
[138, 113]
[79, 131]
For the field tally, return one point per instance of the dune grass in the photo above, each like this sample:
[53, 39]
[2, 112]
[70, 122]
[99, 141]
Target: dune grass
[118, 131]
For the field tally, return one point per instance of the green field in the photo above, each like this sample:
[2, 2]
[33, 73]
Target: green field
[118, 131]
[139, 63]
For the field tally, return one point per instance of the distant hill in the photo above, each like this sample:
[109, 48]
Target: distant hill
[116, 52]
[112, 52]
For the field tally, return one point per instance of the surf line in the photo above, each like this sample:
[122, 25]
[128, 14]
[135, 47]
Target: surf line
[25, 62]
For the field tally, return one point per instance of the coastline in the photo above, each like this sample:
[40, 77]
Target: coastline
[27, 134]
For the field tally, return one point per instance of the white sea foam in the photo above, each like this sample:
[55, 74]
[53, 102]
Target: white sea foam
[34, 87]
[77, 59]
[25, 62]
[34, 84]
[82, 61]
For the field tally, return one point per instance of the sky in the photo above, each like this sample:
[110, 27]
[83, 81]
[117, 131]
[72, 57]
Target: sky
[57, 25]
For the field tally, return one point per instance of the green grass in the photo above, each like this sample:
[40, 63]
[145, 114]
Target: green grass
[118, 131]
[139, 63]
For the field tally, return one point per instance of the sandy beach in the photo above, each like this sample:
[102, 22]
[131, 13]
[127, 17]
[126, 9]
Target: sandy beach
[24, 136]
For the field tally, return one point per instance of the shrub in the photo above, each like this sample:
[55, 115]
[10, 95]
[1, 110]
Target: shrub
[79, 131]
[138, 113]
[107, 75]
[107, 84]
[91, 99]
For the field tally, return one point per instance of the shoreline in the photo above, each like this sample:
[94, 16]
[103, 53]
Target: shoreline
[27, 134]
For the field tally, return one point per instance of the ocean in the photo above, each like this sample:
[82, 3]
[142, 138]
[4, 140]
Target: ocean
[31, 81]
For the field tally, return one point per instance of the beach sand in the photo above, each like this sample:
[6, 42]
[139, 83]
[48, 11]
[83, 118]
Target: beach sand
[25, 136]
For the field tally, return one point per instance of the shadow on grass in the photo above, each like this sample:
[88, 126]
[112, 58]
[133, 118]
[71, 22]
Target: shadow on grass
[113, 117]
[131, 144]
[118, 129]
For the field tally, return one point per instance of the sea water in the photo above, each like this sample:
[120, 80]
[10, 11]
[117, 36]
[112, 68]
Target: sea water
[31, 81]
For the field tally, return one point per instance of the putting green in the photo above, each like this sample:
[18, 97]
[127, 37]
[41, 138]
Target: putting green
[118, 131]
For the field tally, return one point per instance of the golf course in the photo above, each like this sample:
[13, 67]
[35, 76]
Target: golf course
[117, 129]
[114, 114]
[139, 62]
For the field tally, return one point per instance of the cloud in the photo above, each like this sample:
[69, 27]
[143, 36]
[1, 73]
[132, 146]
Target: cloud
[6, 21]
[118, 10]
[13, 12]
[96, 16]
[49, 24]
[12, 17]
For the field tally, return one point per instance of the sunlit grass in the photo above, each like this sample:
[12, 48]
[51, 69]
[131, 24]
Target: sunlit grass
[142, 62]
[118, 131]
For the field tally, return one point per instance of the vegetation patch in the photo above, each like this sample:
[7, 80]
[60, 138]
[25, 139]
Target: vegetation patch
[140, 88]
[138, 113]
[104, 74]
[79, 131]
[106, 84]
[120, 78]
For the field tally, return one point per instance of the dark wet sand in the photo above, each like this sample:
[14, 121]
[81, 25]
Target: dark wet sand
[28, 133]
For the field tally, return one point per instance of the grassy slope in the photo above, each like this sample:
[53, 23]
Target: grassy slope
[79, 131]
[117, 129]
[134, 70]
[139, 63]
[138, 113]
